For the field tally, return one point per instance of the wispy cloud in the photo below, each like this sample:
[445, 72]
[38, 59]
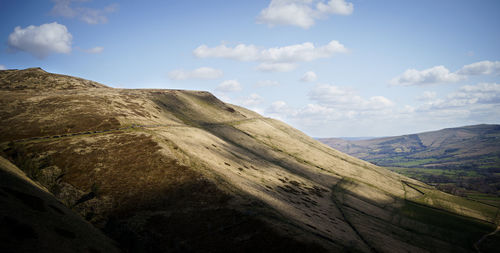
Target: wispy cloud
[94, 50]
[302, 13]
[199, 73]
[2, 67]
[92, 16]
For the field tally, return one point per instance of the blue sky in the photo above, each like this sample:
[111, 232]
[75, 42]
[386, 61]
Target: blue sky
[327, 67]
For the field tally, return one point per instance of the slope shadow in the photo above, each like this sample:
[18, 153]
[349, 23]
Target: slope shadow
[406, 224]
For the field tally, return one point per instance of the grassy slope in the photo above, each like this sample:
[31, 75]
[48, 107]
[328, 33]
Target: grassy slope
[232, 171]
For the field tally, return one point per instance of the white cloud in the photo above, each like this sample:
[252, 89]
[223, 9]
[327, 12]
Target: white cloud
[481, 68]
[267, 83]
[282, 12]
[88, 15]
[199, 73]
[2, 67]
[272, 59]
[229, 86]
[437, 74]
[309, 76]
[94, 50]
[42, 40]
[301, 13]
[276, 66]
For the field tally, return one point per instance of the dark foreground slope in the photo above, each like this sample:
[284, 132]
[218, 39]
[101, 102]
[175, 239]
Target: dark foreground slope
[32, 220]
[181, 171]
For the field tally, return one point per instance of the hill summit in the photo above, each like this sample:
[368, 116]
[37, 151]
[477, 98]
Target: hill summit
[182, 171]
[39, 79]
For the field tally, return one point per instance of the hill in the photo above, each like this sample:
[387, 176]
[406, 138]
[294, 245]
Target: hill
[466, 157]
[174, 170]
[454, 148]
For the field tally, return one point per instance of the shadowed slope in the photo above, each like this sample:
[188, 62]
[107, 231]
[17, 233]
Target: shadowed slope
[32, 220]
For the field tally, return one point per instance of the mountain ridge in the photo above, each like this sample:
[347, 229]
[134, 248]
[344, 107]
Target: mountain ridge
[157, 169]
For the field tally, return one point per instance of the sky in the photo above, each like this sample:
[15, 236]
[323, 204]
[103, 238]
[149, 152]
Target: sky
[331, 68]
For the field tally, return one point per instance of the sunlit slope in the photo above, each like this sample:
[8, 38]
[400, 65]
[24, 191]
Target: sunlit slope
[171, 167]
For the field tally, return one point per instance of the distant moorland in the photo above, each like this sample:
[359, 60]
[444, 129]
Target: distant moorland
[464, 160]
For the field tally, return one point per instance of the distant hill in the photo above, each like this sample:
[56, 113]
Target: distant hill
[454, 158]
[181, 171]
[476, 147]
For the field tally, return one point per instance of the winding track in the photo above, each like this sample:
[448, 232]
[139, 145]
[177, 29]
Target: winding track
[133, 126]
[476, 245]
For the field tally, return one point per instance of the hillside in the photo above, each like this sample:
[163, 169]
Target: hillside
[454, 148]
[463, 157]
[174, 170]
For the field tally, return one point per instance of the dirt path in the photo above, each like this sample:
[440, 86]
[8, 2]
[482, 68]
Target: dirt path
[339, 206]
[478, 243]
[133, 126]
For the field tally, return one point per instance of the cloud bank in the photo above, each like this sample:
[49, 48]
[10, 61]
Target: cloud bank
[272, 59]
[440, 74]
